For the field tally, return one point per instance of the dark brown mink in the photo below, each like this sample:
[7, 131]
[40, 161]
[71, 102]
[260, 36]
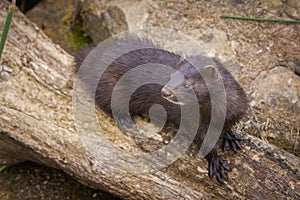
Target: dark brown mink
[172, 95]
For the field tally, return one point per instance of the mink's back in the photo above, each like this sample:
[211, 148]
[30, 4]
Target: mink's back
[147, 95]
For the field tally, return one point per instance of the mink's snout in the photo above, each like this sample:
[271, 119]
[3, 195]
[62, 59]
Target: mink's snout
[170, 95]
[166, 92]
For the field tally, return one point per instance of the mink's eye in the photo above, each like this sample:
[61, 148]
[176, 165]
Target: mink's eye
[186, 85]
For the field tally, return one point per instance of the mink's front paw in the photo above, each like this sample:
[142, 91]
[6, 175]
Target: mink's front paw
[128, 126]
[217, 167]
[124, 122]
[232, 141]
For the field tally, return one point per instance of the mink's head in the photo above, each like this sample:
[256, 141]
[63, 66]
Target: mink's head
[191, 79]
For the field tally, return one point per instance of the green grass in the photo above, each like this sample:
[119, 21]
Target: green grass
[2, 168]
[7, 25]
[261, 19]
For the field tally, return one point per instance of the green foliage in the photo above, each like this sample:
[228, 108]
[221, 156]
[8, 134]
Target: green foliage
[7, 25]
[2, 168]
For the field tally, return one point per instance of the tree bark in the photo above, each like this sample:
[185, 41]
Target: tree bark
[37, 124]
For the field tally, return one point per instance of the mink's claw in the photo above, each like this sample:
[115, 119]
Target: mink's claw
[216, 167]
[232, 141]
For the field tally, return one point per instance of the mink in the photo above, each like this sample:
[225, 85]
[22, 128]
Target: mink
[174, 94]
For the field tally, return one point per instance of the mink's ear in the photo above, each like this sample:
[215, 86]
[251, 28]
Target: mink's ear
[210, 74]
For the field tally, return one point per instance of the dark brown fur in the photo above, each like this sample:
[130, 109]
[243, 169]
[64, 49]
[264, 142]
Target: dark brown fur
[147, 95]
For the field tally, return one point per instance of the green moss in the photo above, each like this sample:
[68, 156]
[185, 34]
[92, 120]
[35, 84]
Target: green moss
[76, 36]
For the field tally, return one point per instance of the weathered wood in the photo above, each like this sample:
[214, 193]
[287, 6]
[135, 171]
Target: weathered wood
[37, 123]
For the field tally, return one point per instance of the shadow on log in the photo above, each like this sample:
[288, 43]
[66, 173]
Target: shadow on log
[37, 124]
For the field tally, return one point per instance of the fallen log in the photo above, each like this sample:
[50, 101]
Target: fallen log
[37, 124]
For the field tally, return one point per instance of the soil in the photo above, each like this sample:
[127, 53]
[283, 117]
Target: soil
[32, 181]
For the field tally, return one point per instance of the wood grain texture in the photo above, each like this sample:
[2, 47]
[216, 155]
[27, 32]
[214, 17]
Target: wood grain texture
[37, 124]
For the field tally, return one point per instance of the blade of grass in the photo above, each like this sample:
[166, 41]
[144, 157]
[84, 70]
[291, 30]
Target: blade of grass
[2, 168]
[260, 19]
[7, 25]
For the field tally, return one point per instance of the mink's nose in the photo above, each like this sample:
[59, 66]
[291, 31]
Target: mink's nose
[166, 92]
